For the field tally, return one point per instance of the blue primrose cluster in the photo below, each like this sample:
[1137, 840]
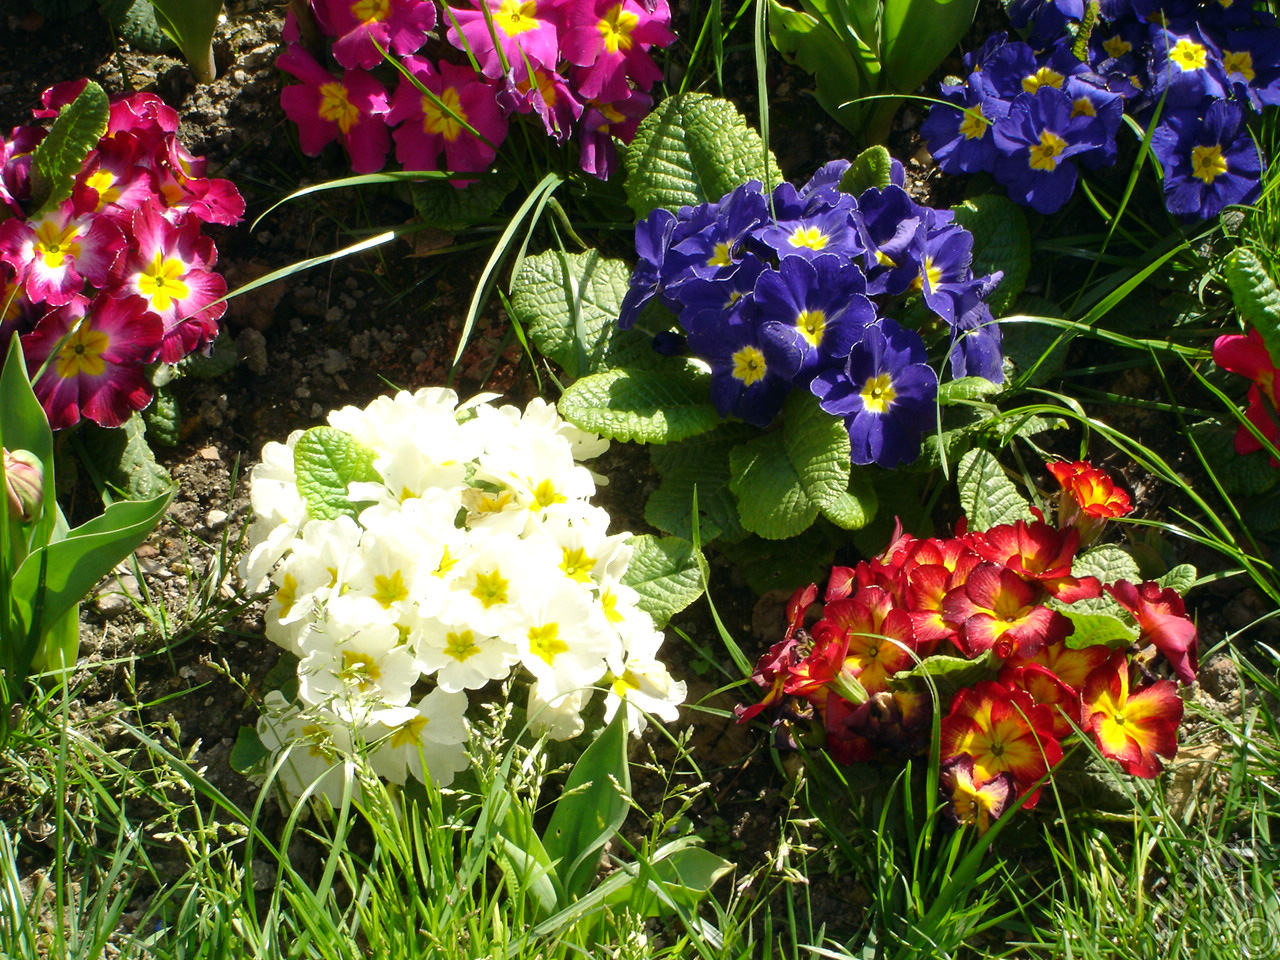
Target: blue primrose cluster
[793, 291]
[1030, 112]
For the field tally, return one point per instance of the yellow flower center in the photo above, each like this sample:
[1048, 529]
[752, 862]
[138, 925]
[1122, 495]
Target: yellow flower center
[878, 394]
[812, 324]
[490, 588]
[1044, 156]
[161, 282]
[447, 562]
[1240, 62]
[389, 590]
[514, 18]
[409, 732]
[749, 365]
[336, 108]
[1083, 107]
[545, 642]
[810, 237]
[545, 494]
[577, 564]
[615, 29]
[885, 260]
[1208, 163]
[1189, 55]
[1116, 46]
[360, 669]
[436, 117]
[371, 11]
[461, 646]
[56, 243]
[930, 270]
[287, 595]
[974, 125]
[1044, 77]
[82, 353]
[721, 256]
[103, 183]
[624, 683]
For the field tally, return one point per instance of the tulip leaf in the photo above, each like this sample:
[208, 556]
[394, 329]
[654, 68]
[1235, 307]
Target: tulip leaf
[841, 67]
[191, 24]
[60, 155]
[666, 573]
[648, 406]
[326, 461]
[772, 501]
[987, 496]
[569, 304]
[693, 148]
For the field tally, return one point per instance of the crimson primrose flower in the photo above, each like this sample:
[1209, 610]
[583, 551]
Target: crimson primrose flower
[1004, 732]
[1000, 610]
[1039, 553]
[362, 26]
[171, 269]
[116, 178]
[54, 255]
[1247, 355]
[427, 126]
[602, 124]
[609, 41]
[878, 639]
[524, 35]
[1162, 619]
[1133, 727]
[98, 370]
[349, 110]
[972, 803]
[1089, 498]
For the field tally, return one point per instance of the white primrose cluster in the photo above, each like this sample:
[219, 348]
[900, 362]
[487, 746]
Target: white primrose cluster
[475, 554]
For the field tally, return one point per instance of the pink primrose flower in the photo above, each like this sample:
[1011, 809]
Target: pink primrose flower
[427, 127]
[547, 94]
[15, 169]
[610, 39]
[170, 269]
[144, 114]
[601, 122]
[98, 351]
[17, 312]
[210, 201]
[524, 33]
[349, 110]
[362, 26]
[54, 255]
[116, 178]
[1247, 355]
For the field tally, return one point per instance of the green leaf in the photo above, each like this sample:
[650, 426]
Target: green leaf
[917, 36]
[987, 496]
[126, 459]
[592, 808]
[967, 388]
[1248, 474]
[856, 507]
[841, 67]
[442, 206]
[1001, 241]
[817, 444]
[24, 426]
[681, 872]
[1181, 578]
[164, 418]
[60, 155]
[221, 359]
[785, 564]
[1035, 350]
[326, 461]
[569, 304]
[135, 23]
[248, 751]
[871, 169]
[693, 148]
[1108, 563]
[771, 498]
[665, 572]
[1105, 629]
[1255, 296]
[949, 674]
[700, 463]
[191, 24]
[83, 558]
[649, 406]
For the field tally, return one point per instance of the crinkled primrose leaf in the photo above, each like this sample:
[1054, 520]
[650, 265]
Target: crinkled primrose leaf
[326, 461]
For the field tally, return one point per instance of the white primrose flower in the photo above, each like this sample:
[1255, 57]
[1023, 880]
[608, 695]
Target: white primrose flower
[542, 477]
[278, 508]
[460, 658]
[561, 719]
[318, 747]
[644, 682]
[562, 636]
[541, 415]
[489, 583]
[311, 573]
[588, 554]
[355, 662]
[386, 569]
[386, 422]
[426, 741]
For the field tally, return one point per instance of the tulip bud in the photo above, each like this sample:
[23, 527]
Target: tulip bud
[23, 484]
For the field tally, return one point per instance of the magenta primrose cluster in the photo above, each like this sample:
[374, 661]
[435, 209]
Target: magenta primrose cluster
[117, 276]
[1029, 113]
[582, 66]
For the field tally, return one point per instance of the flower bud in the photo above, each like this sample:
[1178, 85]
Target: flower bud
[23, 484]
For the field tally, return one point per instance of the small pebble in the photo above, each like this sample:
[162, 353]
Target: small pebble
[215, 519]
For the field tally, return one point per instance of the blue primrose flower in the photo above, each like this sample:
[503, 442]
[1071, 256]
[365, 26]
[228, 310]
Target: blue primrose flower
[748, 378]
[958, 133]
[976, 343]
[820, 193]
[707, 304]
[816, 234]
[1208, 164]
[886, 393]
[888, 222]
[1186, 67]
[1036, 141]
[715, 247]
[1046, 19]
[1251, 61]
[813, 310]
